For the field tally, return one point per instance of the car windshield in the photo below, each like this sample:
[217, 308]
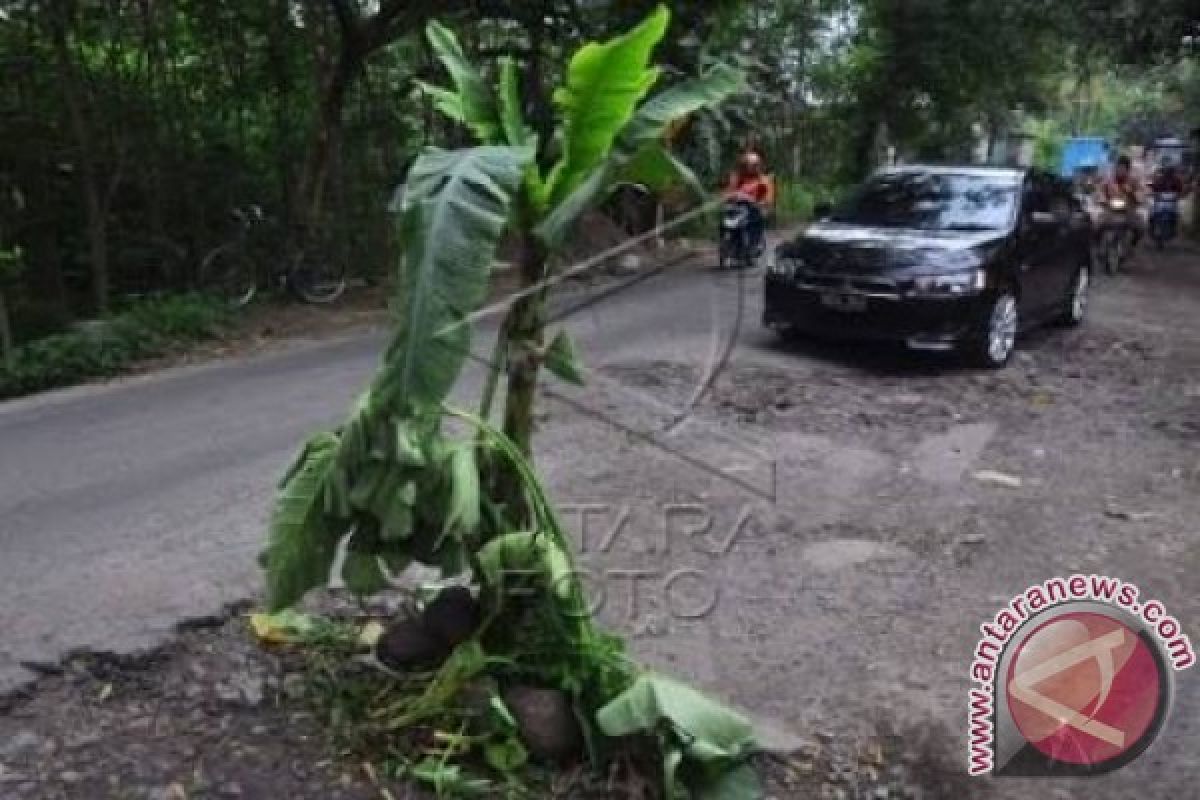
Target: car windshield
[937, 201]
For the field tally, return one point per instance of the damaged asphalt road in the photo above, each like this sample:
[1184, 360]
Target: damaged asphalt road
[814, 537]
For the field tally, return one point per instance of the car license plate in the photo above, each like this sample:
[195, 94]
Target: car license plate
[840, 301]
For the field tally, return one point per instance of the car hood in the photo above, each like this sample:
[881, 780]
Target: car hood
[834, 247]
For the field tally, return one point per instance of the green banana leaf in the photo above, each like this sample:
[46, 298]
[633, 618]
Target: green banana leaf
[605, 82]
[456, 207]
[525, 553]
[654, 116]
[512, 118]
[656, 168]
[302, 538]
[562, 359]
[638, 154]
[707, 744]
[471, 102]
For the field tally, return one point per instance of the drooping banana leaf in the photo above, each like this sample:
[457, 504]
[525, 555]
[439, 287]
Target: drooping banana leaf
[660, 111]
[523, 554]
[605, 82]
[455, 209]
[302, 538]
[471, 102]
[656, 168]
[710, 743]
[639, 154]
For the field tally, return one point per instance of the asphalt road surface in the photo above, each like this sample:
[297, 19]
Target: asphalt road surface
[125, 508]
[896, 501]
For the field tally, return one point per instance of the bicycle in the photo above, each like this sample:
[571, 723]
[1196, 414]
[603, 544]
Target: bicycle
[307, 273]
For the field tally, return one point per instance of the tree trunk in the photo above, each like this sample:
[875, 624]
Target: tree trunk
[94, 206]
[6, 336]
[325, 137]
[358, 37]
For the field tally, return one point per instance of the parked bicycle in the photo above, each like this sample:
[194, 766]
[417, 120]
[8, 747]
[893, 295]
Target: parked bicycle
[306, 271]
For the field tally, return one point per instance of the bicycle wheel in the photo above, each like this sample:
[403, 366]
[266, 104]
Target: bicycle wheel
[315, 278]
[228, 273]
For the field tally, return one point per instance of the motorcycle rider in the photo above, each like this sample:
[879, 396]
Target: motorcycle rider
[749, 183]
[1123, 183]
[1168, 180]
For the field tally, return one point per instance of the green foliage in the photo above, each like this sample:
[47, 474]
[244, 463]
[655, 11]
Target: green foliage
[454, 210]
[12, 262]
[705, 745]
[147, 329]
[471, 102]
[639, 154]
[512, 119]
[562, 359]
[796, 200]
[522, 554]
[711, 88]
[604, 84]
[404, 490]
[456, 206]
[304, 527]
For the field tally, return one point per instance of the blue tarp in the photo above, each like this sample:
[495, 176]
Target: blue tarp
[1083, 152]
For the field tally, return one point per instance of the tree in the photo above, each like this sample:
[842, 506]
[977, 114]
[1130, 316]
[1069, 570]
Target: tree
[393, 482]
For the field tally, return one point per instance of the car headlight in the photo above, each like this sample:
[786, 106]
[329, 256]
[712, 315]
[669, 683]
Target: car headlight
[784, 266]
[951, 283]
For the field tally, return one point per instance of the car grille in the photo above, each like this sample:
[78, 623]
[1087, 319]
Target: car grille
[870, 285]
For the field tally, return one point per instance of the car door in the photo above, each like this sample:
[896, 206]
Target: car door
[1039, 249]
[1074, 239]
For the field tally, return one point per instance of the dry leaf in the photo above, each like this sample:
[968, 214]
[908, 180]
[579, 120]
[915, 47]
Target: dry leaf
[999, 479]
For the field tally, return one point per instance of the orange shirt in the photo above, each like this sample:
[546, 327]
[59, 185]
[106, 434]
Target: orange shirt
[758, 187]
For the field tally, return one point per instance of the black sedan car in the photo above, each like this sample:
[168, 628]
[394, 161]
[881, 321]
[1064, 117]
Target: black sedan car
[938, 258]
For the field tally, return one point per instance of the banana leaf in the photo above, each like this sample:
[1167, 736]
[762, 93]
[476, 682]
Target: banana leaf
[456, 207]
[471, 102]
[639, 153]
[706, 745]
[605, 82]
[302, 538]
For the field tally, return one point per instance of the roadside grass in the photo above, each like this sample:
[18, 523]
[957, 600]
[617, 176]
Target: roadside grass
[146, 329]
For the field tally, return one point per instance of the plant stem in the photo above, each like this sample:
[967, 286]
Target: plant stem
[494, 368]
[523, 332]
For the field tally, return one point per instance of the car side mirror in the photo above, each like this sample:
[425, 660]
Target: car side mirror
[822, 210]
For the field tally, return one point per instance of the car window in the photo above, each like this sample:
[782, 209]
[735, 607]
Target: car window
[946, 201]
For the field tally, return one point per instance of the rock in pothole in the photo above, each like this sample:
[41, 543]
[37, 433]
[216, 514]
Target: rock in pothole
[546, 722]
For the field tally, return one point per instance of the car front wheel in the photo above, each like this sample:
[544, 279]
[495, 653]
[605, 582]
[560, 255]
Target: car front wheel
[994, 346]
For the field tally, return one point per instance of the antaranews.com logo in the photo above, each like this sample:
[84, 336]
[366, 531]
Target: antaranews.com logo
[1073, 677]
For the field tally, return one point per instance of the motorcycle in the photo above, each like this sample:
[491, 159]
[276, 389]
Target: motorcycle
[1116, 238]
[1164, 218]
[737, 248]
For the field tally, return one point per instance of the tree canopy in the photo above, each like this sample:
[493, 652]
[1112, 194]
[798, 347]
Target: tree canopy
[131, 128]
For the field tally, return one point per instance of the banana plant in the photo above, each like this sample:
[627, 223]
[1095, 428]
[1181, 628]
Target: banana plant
[390, 486]
[609, 131]
[387, 478]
